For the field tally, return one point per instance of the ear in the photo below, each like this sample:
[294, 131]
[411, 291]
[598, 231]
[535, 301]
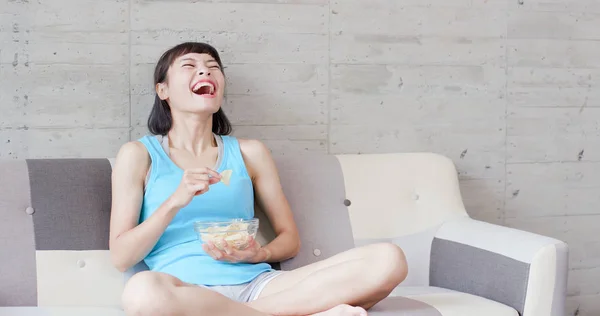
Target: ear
[162, 91]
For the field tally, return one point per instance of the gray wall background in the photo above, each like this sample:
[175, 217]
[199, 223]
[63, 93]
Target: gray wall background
[508, 90]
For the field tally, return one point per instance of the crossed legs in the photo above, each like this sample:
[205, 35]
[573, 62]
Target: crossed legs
[150, 293]
[358, 277]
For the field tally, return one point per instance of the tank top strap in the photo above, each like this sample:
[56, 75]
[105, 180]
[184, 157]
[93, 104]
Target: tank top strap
[233, 155]
[154, 148]
[155, 145]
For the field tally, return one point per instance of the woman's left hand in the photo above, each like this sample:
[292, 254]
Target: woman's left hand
[229, 254]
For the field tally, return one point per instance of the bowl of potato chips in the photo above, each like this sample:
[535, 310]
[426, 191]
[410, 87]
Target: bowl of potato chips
[236, 233]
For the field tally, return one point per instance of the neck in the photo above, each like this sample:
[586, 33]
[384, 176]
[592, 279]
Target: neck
[191, 133]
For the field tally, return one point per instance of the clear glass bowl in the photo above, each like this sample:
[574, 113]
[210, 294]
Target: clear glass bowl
[236, 232]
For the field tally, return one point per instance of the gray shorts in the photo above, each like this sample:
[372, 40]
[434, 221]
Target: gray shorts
[246, 292]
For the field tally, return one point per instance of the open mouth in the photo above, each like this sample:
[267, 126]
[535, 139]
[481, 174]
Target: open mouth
[204, 88]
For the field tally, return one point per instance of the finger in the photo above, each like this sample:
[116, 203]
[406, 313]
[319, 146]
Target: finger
[197, 177]
[227, 249]
[204, 170]
[199, 188]
[250, 250]
[249, 246]
[233, 253]
[253, 244]
[206, 248]
[213, 251]
[200, 192]
[234, 256]
[216, 253]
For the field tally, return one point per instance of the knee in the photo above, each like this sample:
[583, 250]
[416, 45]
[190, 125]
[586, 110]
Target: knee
[147, 293]
[389, 261]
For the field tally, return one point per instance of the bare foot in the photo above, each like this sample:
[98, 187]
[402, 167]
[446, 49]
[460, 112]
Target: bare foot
[343, 310]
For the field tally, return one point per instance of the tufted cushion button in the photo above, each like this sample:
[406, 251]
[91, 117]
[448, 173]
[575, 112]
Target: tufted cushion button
[29, 210]
[317, 252]
[416, 197]
[347, 202]
[80, 263]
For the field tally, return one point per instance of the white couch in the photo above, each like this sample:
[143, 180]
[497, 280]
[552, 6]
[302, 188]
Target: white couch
[55, 216]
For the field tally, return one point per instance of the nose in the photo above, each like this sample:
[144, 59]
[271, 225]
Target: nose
[204, 72]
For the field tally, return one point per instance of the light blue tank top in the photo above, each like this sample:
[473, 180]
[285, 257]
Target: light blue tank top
[179, 251]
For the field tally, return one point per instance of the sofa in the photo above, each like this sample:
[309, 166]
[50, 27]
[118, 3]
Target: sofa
[55, 226]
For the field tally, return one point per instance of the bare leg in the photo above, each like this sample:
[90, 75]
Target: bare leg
[158, 294]
[153, 294]
[361, 276]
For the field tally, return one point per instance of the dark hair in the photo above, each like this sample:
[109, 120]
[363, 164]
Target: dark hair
[160, 119]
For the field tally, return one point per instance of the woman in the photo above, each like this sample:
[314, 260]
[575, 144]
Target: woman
[164, 182]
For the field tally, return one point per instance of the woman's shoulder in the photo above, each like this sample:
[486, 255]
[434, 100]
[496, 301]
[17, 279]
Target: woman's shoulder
[133, 150]
[256, 154]
[137, 150]
[253, 148]
[248, 147]
[133, 156]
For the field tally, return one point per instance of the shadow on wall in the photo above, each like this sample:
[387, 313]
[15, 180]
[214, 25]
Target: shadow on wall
[484, 199]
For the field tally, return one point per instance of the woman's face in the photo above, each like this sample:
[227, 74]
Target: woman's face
[195, 83]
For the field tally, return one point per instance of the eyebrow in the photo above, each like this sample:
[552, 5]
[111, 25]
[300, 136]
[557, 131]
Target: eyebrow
[192, 59]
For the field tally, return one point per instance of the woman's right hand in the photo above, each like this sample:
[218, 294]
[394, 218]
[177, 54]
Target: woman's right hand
[194, 182]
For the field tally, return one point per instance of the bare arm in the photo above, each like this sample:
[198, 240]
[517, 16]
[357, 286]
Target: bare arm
[130, 243]
[272, 201]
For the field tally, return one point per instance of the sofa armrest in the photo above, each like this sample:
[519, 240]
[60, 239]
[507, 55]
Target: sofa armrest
[520, 269]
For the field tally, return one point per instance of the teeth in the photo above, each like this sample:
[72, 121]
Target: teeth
[204, 84]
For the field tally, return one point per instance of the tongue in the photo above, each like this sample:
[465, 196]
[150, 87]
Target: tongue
[203, 90]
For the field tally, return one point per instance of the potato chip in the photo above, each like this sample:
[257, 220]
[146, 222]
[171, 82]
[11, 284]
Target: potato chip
[235, 234]
[226, 176]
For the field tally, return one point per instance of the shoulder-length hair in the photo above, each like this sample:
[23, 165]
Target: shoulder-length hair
[160, 120]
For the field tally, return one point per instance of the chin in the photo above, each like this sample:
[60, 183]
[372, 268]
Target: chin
[204, 107]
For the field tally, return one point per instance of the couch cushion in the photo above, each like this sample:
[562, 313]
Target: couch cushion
[402, 198]
[314, 188]
[433, 301]
[17, 245]
[398, 194]
[403, 306]
[71, 202]
[415, 301]
[54, 241]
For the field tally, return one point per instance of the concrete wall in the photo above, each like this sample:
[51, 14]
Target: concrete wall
[506, 88]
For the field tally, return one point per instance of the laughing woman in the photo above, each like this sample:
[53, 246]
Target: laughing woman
[167, 180]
